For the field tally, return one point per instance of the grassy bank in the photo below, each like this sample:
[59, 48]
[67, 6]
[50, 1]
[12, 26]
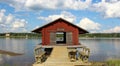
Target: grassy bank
[113, 62]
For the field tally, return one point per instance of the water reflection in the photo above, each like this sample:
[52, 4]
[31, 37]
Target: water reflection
[16, 45]
[103, 49]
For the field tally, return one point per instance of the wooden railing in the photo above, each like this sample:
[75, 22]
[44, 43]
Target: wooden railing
[72, 56]
[39, 55]
[82, 54]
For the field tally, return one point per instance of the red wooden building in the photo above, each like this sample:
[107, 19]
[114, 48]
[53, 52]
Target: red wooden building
[69, 31]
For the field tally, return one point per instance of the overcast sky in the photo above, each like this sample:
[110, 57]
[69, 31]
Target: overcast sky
[101, 16]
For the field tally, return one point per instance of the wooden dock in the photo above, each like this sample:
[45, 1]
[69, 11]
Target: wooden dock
[59, 57]
[53, 52]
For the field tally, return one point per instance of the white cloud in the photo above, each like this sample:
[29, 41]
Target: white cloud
[64, 14]
[9, 18]
[88, 24]
[17, 4]
[9, 23]
[48, 4]
[19, 23]
[110, 8]
[77, 4]
[57, 4]
[2, 15]
[112, 30]
[41, 4]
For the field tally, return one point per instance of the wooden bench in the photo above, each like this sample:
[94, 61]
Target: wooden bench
[84, 54]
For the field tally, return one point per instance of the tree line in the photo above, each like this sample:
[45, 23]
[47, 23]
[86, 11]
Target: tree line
[102, 35]
[38, 35]
[22, 35]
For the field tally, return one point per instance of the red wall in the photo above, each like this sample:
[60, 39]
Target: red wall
[54, 27]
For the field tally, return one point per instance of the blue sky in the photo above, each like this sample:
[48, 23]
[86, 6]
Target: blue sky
[96, 16]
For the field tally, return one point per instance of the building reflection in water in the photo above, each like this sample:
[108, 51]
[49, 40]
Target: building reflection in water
[18, 45]
[101, 50]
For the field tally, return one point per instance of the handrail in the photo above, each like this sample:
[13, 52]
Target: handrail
[39, 55]
[75, 54]
[84, 55]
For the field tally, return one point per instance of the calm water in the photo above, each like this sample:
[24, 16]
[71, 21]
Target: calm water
[101, 50]
[18, 45]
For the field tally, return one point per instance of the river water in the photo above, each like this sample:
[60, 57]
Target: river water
[101, 50]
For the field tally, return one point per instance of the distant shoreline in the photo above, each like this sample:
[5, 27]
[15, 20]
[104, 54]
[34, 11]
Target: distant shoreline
[20, 35]
[100, 35]
[82, 36]
[79, 37]
[100, 38]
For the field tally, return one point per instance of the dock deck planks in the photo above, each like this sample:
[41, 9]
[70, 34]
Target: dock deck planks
[59, 57]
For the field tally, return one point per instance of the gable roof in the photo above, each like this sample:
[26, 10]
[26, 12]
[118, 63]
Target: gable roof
[81, 31]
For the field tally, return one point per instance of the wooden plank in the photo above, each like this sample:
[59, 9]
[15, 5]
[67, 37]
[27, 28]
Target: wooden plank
[52, 38]
[69, 37]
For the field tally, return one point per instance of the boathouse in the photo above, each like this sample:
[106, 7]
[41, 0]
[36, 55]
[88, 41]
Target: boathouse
[69, 31]
[62, 52]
